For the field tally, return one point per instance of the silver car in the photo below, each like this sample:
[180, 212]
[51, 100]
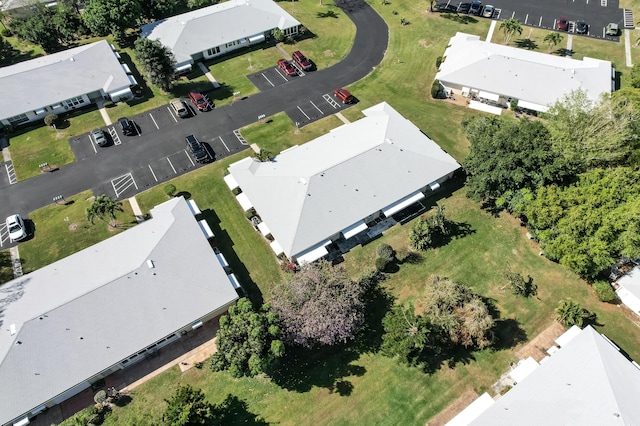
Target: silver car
[98, 137]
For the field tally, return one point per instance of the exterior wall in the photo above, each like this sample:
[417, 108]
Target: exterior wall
[66, 105]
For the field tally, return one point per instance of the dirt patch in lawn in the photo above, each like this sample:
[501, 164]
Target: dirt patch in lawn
[537, 348]
[328, 53]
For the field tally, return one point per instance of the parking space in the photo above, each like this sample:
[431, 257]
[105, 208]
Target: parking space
[4, 235]
[270, 78]
[11, 173]
[314, 109]
[545, 13]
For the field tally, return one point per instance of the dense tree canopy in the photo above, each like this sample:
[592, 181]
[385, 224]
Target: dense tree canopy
[248, 340]
[586, 226]
[157, 62]
[459, 313]
[406, 335]
[319, 305]
[104, 17]
[508, 156]
[589, 134]
[187, 407]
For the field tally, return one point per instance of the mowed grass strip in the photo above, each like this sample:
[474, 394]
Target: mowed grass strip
[61, 230]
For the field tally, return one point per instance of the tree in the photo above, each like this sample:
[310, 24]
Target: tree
[248, 340]
[589, 133]
[319, 306]
[39, 29]
[634, 75]
[552, 39]
[104, 208]
[571, 313]
[277, 34]
[197, 4]
[6, 51]
[157, 61]
[518, 285]
[431, 4]
[510, 27]
[507, 156]
[604, 291]
[157, 9]
[430, 231]
[587, 225]
[406, 335]
[104, 17]
[461, 315]
[187, 407]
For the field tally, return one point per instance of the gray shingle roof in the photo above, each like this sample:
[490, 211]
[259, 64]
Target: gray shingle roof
[196, 31]
[50, 79]
[521, 74]
[587, 382]
[80, 315]
[308, 193]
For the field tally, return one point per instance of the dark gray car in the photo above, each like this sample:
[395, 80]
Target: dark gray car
[197, 150]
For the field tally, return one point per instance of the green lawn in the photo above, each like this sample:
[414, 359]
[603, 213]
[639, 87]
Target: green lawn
[37, 144]
[61, 230]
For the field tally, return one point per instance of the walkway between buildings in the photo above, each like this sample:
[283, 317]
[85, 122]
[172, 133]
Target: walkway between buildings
[103, 112]
[206, 72]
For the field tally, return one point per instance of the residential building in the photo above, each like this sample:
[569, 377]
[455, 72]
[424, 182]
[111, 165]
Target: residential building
[628, 289]
[23, 8]
[76, 321]
[586, 381]
[222, 28]
[62, 82]
[341, 184]
[493, 75]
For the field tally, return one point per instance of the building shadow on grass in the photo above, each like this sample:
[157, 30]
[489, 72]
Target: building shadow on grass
[225, 244]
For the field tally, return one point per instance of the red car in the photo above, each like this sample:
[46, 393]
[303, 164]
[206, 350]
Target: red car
[563, 24]
[343, 95]
[286, 67]
[301, 60]
[200, 101]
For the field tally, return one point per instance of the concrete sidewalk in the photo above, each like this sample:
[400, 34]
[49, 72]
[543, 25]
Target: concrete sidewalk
[206, 72]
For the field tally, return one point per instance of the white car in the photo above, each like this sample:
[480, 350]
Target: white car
[488, 10]
[15, 227]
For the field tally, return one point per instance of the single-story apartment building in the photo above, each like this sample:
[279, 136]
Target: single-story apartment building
[338, 185]
[215, 30]
[63, 81]
[492, 75]
[586, 381]
[628, 289]
[23, 8]
[76, 321]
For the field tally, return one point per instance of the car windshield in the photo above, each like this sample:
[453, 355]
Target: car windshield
[200, 101]
[14, 227]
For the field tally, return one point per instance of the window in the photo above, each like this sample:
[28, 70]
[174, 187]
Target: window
[74, 101]
[40, 111]
[214, 51]
[17, 119]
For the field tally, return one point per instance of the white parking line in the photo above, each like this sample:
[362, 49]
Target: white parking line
[540, 23]
[242, 140]
[4, 234]
[189, 157]
[154, 175]
[154, 121]
[225, 145]
[265, 77]
[330, 101]
[308, 118]
[526, 19]
[280, 74]
[172, 115]
[114, 136]
[171, 164]
[93, 145]
[317, 107]
[122, 183]
[513, 14]
[11, 173]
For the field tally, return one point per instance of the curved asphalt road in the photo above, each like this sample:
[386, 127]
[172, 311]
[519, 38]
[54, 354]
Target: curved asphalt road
[96, 172]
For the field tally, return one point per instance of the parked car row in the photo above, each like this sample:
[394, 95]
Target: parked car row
[475, 8]
[298, 59]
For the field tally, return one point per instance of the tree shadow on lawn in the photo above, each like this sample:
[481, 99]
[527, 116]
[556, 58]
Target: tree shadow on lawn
[525, 43]
[460, 19]
[225, 244]
[234, 411]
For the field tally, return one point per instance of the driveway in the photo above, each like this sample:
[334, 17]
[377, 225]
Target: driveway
[130, 163]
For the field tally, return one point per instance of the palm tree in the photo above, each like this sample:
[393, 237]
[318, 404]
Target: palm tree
[104, 208]
[552, 39]
[510, 27]
[571, 313]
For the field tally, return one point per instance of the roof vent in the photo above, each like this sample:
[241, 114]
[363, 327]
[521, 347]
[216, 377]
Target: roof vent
[302, 181]
[150, 264]
[12, 329]
[71, 59]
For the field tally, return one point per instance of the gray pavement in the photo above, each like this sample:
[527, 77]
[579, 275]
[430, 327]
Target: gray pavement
[161, 139]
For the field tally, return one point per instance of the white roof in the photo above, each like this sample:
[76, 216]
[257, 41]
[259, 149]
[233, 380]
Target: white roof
[196, 31]
[51, 79]
[537, 78]
[524, 369]
[472, 411]
[631, 281]
[87, 312]
[587, 382]
[313, 191]
[568, 335]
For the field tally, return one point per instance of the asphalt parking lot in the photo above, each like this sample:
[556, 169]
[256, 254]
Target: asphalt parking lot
[314, 109]
[545, 13]
[271, 77]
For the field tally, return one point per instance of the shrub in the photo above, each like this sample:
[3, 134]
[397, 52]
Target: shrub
[249, 214]
[6, 32]
[438, 61]
[236, 191]
[604, 291]
[385, 251]
[51, 119]
[169, 189]
[381, 264]
[108, 104]
[435, 90]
